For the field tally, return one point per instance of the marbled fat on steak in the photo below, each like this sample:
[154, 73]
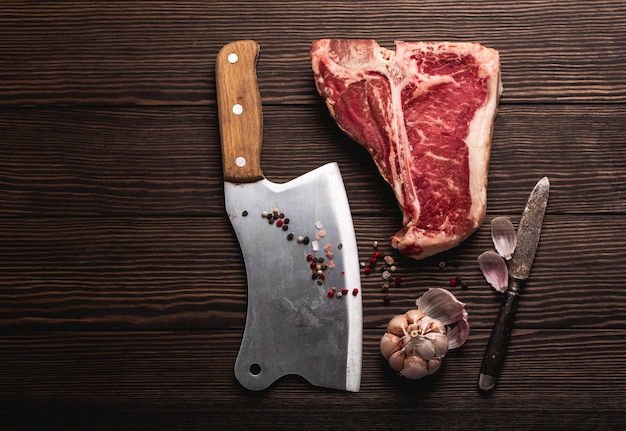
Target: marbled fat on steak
[425, 113]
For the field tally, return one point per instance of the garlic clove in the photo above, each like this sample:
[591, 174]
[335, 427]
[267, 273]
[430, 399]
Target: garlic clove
[390, 344]
[440, 343]
[457, 335]
[396, 361]
[397, 325]
[418, 346]
[415, 368]
[494, 269]
[442, 305]
[503, 236]
[413, 316]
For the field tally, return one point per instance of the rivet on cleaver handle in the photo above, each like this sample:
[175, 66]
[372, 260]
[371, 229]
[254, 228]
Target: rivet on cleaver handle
[240, 113]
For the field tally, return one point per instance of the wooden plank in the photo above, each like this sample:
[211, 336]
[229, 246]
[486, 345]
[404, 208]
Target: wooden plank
[182, 379]
[160, 53]
[95, 162]
[164, 272]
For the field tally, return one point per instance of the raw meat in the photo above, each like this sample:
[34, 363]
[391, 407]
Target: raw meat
[425, 113]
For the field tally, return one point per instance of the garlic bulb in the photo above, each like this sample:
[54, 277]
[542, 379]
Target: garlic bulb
[494, 269]
[416, 341]
[503, 236]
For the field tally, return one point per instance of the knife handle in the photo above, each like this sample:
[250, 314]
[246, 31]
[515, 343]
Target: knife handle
[499, 340]
[239, 111]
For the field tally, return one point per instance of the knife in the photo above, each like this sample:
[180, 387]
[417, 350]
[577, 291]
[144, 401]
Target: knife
[304, 313]
[528, 233]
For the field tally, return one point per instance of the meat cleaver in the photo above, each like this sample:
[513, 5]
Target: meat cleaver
[304, 314]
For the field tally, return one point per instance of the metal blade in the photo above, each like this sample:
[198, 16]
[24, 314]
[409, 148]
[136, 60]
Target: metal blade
[292, 325]
[529, 231]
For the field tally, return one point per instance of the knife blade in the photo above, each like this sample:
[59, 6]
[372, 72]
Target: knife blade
[528, 233]
[293, 324]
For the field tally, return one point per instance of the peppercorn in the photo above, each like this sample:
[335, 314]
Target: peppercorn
[305, 240]
[367, 270]
[286, 220]
[245, 213]
[442, 264]
[344, 291]
[339, 294]
[289, 236]
[309, 257]
[285, 227]
[464, 285]
[386, 299]
[397, 281]
[385, 287]
[355, 291]
[330, 293]
[452, 282]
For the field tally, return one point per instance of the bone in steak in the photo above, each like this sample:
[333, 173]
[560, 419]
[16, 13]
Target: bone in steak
[425, 113]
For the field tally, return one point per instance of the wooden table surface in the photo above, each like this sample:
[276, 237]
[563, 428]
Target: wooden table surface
[122, 286]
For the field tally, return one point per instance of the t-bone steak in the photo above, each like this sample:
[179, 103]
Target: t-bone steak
[425, 113]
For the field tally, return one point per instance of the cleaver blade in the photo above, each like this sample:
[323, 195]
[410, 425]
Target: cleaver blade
[293, 326]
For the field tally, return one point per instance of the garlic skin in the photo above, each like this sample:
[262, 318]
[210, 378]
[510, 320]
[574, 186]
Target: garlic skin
[494, 268]
[503, 236]
[416, 341]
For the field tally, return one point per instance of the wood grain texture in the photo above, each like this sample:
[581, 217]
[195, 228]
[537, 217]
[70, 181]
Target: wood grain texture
[156, 273]
[163, 53]
[183, 379]
[122, 287]
[166, 161]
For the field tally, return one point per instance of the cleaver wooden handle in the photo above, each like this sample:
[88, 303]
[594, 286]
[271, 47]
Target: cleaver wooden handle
[239, 110]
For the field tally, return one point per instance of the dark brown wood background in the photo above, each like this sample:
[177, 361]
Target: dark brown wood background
[122, 288]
